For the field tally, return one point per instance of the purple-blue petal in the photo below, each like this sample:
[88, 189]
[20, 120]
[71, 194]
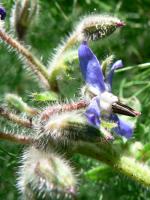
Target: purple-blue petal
[123, 128]
[90, 67]
[2, 13]
[118, 64]
[93, 112]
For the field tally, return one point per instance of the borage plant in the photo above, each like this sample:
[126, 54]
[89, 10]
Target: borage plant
[88, 124]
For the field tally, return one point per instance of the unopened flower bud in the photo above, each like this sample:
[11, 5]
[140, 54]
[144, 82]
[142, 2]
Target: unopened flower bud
[96, 27]
[63, 128]
[23, 15]
[45, 176]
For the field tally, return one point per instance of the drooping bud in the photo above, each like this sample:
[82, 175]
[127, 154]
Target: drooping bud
[45, 176]
[19, 104]
[96, 27]
[23, 14]
[61, 129]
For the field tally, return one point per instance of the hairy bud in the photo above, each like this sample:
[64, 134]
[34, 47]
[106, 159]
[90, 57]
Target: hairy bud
[63, 128]
[23, 15]
[96, 27]
[45, 176]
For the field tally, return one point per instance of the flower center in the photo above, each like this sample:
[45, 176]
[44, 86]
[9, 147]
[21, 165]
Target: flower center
[106, 101]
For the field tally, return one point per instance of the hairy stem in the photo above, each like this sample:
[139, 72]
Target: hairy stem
[15, 118]
[58, 58]
[126, 165]
[140, 66]
[36, 66]
[135, 170]
[62, 108]
[15, 138]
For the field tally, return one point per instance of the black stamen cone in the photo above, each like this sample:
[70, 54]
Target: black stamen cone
[123, 109]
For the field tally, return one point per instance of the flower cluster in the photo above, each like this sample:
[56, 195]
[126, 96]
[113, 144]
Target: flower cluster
[103, 104]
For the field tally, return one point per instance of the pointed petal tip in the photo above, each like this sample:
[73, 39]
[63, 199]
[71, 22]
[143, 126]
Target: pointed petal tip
[109, 138]
[118, 64]
[137, 113]
[120, 24]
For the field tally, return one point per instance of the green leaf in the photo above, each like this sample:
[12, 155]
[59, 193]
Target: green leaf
[45, 96]
[144, 154]
[102, 172]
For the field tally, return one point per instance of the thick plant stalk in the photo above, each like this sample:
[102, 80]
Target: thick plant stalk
[124, 164]
[135, 170]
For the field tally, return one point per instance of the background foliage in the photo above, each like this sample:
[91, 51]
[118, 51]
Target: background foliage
[132, 45]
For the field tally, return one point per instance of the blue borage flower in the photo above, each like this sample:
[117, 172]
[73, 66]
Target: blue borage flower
[103, 101]
[2, 13]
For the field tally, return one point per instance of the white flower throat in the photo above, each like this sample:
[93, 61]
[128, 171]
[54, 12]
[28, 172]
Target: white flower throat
[106, 98]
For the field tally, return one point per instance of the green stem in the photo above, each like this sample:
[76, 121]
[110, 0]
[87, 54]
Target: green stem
[137, 171]
[140, 66]
[58, 61]
[108, 154]
[36, 66]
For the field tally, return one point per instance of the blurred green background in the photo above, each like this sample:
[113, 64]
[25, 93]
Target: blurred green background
[131, 44]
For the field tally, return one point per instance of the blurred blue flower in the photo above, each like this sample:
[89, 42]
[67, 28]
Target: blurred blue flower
[102, 99]
[2, 13]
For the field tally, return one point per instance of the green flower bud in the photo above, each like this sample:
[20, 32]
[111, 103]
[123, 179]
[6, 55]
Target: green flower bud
[23, 14]
[62, 129]
[95, 27]
[45, 176]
